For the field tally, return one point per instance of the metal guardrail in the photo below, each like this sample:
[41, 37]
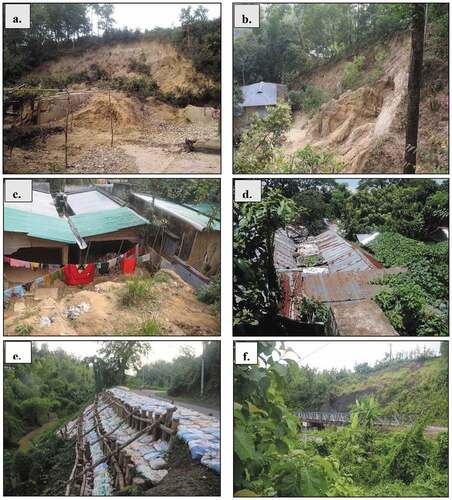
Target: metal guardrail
[345, 418]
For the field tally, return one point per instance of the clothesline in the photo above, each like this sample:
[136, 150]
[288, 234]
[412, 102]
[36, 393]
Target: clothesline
[86, 272]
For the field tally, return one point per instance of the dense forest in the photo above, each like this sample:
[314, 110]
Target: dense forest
[407, 213]
[294, 39]
[275, 456]
[320, 52]
[39, 398]
[58, 29]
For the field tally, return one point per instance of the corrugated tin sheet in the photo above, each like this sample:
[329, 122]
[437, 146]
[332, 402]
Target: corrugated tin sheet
[198, 220]
[42, 204]
[364, 239]
[342, 255]
[260, 94]
[37, 225]
[90, 201]
[285, 248]
[107, 221]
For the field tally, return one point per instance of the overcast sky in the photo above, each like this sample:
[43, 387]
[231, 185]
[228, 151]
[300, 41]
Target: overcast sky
[160, 350]
[148, 16]
[345, 354]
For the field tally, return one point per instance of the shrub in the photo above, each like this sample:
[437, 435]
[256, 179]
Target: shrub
[313, 311]
[149, 327]
[211, 294]
[137, 290]
[309, 161]
[139, 65]
[353, 73]
[308, 100]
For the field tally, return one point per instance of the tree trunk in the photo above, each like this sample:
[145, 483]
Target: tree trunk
[414, 87]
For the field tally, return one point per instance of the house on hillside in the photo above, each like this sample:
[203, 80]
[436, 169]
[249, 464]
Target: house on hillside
[187, 236]
[81, 225]
[256, 99]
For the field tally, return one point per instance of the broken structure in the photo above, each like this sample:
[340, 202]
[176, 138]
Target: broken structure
[335, 272]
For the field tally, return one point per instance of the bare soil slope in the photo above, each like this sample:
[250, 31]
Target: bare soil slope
[169, 69]
[365, 128]
[175, 308]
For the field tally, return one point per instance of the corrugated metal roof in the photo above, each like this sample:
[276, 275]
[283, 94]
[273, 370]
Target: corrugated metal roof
[284, 251]
[90, 201]
[106, 221]
[342, 255]
[37, 225]
[42, 204]
[260, 94]
[198, 220]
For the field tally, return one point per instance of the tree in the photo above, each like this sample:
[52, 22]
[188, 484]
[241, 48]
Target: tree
[414, 86]
[115, 358]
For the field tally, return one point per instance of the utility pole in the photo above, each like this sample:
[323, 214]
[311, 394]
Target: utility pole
[202, 369]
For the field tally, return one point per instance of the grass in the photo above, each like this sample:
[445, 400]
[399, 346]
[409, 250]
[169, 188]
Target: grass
[137, 290]
[149, 327]
[23, 329]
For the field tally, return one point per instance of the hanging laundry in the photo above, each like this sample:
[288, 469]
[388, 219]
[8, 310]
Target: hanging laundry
[54, 267]
[19, 291]
[78, 275]
[19, 263]
[6, 259]
[35, 265]
[104, 268]
[128, 265]
[145, 258]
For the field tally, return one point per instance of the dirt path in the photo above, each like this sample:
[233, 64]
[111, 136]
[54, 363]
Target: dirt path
[25, 441]
[199, 408]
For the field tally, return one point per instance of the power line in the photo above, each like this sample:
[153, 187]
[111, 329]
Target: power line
[316, 350]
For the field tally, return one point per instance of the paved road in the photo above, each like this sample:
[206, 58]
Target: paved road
[198, 408]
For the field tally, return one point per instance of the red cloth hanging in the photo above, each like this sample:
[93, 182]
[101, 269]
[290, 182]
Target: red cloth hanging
[128, 265]
[74, 276]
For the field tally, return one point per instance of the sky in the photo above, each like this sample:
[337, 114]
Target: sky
[345, 354]
[160, 350]
[148, 16]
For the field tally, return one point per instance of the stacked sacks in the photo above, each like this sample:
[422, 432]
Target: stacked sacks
[200, 432]
[102, 484]
[143, 451]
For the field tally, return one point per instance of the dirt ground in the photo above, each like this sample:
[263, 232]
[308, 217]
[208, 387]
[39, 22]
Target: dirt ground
[185, 477]
[148, 137]
[174, 307]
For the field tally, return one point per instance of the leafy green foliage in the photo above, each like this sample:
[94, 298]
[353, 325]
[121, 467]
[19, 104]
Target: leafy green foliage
[312, 311]
[309, 99]
[273, 457]
[211, 294]
[261, 143]
[415, 301]
[353, 74]
[256, 286]
[55, 384]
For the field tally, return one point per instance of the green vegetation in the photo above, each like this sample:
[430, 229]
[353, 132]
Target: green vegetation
[308, 99]
[353, 72]
[294, 39]
[211, 294]
[408, 215]
[260, 149]
[54, 386]
[182, 376]
[137, 291]
[274, 457]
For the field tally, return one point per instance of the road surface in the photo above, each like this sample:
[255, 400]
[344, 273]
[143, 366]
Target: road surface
[201, 409]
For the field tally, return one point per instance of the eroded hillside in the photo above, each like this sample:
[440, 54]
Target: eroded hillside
[171, 71]
[365, 126]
